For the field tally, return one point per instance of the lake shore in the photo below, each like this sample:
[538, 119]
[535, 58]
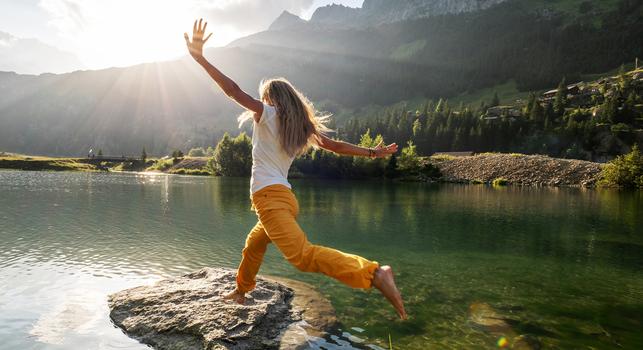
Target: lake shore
[518, 169]
[489, 168]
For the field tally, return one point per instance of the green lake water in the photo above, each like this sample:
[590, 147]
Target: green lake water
[564, 266]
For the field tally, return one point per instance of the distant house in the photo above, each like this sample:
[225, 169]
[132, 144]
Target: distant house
[454, 154]
[572, 89]
[502, 111]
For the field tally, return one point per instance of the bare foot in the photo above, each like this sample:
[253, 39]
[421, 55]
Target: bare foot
[236, 296]
[384, 281]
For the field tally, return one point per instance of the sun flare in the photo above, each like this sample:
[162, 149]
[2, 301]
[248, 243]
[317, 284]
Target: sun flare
[118, 33]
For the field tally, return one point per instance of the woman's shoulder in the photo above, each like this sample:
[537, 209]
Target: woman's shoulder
[268, 113]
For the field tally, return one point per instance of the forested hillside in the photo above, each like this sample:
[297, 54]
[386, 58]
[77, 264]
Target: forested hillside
[168, 105]
[593, 120]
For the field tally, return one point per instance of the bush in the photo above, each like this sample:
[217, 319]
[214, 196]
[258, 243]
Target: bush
[196, 152]
[232, 157]
[409, 160]
[161, 165]
[626, 171]
[501, 181]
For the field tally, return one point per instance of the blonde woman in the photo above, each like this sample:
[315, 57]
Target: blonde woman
[285, 125]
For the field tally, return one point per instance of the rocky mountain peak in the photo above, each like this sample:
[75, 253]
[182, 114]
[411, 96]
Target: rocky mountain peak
[286, 20]
[375, 12]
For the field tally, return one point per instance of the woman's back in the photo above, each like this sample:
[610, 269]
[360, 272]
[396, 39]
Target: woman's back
[270, 162]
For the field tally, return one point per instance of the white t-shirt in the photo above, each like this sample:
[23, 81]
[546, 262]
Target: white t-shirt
[270, 163]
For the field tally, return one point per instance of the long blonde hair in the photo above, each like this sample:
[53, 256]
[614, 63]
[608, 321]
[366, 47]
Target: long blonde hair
[300, 126]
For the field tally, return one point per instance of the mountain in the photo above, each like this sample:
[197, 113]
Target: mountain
[31, 56]
[160, 106]
[285, 21]
[377, 12]
[174, 104]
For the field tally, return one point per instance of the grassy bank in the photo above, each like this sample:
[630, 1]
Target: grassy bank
[37, 163]
[182, 166]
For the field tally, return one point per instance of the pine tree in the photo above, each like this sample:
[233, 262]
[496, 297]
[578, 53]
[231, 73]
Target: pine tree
[417, 127]
[560, 101]
[143, 155]
[440, 106]
[495, 101]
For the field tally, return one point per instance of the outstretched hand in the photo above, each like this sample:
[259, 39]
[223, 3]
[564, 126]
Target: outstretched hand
[382, 151]
[196, 45]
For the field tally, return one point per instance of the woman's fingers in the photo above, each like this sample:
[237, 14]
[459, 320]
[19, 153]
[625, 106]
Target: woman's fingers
[207, 37]
[194, 29]
[204, 26]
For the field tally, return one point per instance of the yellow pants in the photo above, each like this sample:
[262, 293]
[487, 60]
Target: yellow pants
[277, 209]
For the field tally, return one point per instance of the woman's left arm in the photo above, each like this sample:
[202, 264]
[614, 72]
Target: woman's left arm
[229, 87]
[349, 149]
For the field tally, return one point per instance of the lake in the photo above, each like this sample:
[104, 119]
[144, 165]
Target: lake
[564, 266]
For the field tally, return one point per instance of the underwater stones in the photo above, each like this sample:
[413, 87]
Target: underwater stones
[187, 312]
[525, 342]
[485, 318]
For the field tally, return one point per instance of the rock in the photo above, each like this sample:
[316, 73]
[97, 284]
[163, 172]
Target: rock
[526, 342]
[484, 317]
[187, 312]
[535, 170]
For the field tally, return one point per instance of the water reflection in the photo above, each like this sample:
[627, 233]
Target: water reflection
[559, 264]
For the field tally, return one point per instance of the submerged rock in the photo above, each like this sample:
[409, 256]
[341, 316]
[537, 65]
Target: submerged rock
[188, 312]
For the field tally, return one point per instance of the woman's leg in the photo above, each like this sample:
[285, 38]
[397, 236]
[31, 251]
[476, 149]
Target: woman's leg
[277, 209]
[251, 258]
[282, 229]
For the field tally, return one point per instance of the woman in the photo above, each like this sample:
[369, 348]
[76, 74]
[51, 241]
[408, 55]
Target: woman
[285, 126]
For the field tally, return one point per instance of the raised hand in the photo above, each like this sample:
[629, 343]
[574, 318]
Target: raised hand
[196, 45]
[382, 151]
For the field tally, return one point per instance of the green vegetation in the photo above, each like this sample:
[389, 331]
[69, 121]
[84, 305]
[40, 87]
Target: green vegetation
[232, 157]
[183, 171]
[128, 165]
[625, 171]
[501, 181]
[42, 163]
[409, 165]
[595, 120]
[37, 163]
[197, 152]
[161, 165]
[177, 153]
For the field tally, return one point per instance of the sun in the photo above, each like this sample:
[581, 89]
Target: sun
[121, 33]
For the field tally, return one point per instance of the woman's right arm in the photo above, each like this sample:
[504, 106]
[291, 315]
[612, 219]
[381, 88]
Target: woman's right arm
[349, 149]
[229, 87]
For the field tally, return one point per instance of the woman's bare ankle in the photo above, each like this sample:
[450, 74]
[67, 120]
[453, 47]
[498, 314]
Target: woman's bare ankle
[236, 295]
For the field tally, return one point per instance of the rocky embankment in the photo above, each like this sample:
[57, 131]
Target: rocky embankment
[188, 312]
[520, 169]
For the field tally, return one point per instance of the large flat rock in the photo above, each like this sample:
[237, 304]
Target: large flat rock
[188, 312]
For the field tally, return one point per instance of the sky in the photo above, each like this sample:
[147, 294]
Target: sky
[106, 33]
